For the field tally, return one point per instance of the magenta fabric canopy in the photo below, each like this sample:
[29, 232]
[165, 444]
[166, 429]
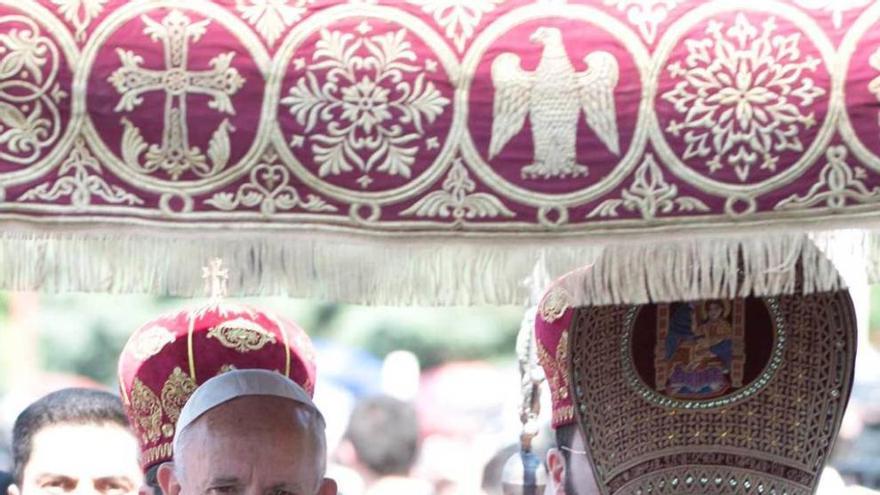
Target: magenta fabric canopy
[388, 151]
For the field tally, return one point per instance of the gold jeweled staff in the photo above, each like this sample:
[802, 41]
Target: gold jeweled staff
[524, 473]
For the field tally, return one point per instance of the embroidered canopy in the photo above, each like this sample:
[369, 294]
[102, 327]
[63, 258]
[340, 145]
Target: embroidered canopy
[394, 151]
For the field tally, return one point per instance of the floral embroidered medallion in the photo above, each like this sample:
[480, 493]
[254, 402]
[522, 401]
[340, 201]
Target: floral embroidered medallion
[366, 104]
[149, 342]
[747, 97]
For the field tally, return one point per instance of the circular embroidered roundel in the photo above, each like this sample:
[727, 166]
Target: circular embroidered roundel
[35, 89]
[742, 96]
[704, 353]
[571, 126]
[367, 105]
[172, 95]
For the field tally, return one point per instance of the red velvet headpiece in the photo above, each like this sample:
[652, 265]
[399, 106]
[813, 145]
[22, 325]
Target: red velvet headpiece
[551, 332]
[167, 358]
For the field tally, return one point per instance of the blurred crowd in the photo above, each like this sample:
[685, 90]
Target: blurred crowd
[393, 430]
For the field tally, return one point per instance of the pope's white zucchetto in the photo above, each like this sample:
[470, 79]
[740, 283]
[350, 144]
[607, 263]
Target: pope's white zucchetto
[239, 383]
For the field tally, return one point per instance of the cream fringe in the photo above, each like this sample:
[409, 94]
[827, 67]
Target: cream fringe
[453, 271]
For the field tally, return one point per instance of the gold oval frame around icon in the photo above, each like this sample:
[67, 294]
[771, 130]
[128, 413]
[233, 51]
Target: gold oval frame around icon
[644, 390]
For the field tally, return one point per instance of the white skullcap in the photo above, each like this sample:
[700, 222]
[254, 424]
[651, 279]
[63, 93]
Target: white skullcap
[234, 384]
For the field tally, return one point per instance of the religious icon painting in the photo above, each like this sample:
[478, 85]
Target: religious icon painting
[697, 351]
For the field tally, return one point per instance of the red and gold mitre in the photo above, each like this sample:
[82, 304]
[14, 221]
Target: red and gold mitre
[167, 358]
[551, 335]
[721, 396]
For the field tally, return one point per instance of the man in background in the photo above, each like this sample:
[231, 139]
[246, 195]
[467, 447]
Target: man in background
[382, 445]
[74, 441]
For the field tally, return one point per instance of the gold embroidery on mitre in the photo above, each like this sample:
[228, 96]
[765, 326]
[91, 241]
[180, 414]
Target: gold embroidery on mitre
[148, 343]
[157, 453]
[175, 392]
[562, 363]
[226, 368]
[147, 411]
[555, 304]
[563, 414]
[241, 335]
[555, 367]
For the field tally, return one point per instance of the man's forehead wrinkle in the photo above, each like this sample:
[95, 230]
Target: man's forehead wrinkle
[225, 480]
[258, 413]
[203, 430]
[193, 439]
[262, 407]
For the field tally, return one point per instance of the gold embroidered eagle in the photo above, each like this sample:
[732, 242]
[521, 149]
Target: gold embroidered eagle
[553, 97]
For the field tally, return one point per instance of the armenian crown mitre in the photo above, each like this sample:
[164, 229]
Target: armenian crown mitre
[167, 358]
[552, 323]
[740, 395]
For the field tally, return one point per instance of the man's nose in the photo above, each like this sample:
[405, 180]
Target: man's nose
[85, 488]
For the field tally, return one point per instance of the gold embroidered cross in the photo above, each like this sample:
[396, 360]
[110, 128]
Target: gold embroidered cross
[215, 277]
[174, 154]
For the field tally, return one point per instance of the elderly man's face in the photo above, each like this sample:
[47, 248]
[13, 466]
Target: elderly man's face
[256, 445]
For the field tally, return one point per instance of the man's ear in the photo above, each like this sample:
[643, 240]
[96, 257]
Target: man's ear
[13, 489]
[328, 487]
[168, 479]
[556, 467]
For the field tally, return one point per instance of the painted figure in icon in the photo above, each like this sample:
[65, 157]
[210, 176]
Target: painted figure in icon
[698, 350]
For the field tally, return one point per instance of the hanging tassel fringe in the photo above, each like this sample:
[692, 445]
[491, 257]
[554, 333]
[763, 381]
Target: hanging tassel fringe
[434, 272]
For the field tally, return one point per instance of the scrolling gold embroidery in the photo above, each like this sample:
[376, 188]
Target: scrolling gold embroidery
[175, 393]
[147, 411]
[241, 335]
[458, 18]
[556, 367]
[555, 304]
[459, 200]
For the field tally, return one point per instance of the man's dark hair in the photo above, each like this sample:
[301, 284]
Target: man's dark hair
[79, 406]
[5, 481]
[564, 437]
[385, 434]
[151, 479]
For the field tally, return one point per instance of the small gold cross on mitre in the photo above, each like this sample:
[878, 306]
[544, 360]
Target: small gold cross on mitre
[216, 277]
